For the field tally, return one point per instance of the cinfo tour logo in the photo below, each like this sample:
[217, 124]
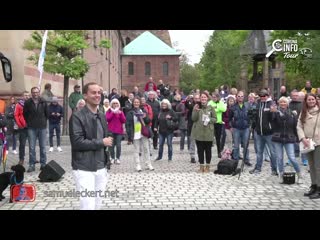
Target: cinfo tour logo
[289, 48]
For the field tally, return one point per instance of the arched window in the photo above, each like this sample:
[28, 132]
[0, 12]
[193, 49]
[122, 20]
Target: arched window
[165, 69]
[128, 40]
[130, 68]
[147, 68]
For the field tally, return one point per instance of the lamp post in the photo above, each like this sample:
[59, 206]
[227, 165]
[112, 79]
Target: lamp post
[6, 67]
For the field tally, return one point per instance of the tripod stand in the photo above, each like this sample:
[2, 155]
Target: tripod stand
[251, 129]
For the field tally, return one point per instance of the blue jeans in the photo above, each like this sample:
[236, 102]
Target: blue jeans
[116, 143]
[12, 140]
[33, 134]
[262, 140]
[240, 136]
[162, 138]
[289, 147]
[52, 127]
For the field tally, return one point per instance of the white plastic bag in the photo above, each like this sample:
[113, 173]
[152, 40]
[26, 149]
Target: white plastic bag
[311, 147]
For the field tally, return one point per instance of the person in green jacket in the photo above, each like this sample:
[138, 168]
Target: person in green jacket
[75, 97]
[219, 107]
[203, 117]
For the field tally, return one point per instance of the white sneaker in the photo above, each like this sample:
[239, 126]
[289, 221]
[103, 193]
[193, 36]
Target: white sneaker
[51, 149]
[117, 161]
[150, 167]
[112, 161]
[138, 168]
[59, 149]
[15, 152]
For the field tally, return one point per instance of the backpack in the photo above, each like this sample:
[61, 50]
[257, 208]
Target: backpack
[226, 167]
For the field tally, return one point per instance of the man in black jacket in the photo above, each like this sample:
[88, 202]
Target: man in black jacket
[263, 128]
[35, 112]
[89, 143]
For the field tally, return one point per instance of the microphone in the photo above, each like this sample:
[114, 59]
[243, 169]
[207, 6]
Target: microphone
[109, 134]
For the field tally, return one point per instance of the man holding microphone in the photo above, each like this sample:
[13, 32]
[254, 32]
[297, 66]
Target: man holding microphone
[89, 141]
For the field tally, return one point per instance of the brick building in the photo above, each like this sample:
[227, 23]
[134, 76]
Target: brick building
[105, 64]
[148, 56]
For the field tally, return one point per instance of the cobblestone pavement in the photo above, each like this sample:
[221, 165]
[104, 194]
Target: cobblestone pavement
[175, 185]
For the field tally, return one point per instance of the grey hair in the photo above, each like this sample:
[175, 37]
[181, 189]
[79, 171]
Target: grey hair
[166, 101]
[284, 99]
[80, 100]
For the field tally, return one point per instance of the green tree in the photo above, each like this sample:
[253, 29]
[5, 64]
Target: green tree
[300, 69]
[63, 56]
[220, 63]
[189, 75]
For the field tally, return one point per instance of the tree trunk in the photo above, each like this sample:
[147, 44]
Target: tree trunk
[65, 128]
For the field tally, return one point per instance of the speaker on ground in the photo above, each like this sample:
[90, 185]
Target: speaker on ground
[52, 172]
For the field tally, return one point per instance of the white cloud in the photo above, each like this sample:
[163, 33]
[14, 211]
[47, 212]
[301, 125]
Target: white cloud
[191, 42]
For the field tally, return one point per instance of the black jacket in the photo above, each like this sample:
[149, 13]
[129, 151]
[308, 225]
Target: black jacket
[284, 127]
[295, 106]
[36, 117]
[130, 123]
[10, 118]
[162, 121]
[264, 118]
[3, 120]
[54, 119]
[83, 138]
[3, 123]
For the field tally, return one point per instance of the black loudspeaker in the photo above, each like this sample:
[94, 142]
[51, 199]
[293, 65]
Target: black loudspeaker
[52, 172]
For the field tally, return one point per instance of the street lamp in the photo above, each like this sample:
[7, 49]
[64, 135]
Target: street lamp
[6, 67]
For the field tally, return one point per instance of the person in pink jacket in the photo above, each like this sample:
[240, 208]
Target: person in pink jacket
[115, 118]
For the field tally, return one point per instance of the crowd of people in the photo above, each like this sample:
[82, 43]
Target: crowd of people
[226, 118]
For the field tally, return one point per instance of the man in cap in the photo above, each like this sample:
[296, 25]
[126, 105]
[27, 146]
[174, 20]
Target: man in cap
[55, 114]
[264, 132]
[75, 97]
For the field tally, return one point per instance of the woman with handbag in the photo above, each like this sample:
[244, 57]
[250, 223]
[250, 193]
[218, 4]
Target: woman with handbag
[284, 135]
[308, 131]
[137, 121]
[168, 123]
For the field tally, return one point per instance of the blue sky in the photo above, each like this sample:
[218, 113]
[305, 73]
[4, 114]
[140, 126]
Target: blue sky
[190, 42]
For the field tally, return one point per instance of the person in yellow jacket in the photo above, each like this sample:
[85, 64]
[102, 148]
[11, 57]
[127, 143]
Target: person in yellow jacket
[308, 88]
[219, 107]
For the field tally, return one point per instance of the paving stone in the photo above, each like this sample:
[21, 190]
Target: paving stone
[175, 185]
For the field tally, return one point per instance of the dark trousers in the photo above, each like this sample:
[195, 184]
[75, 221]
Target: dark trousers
[204, 147]
[116, 143]
[155, 134]
[223, 137]
[23, 136]
[183, 133]
[52, 127]
[217, 134]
